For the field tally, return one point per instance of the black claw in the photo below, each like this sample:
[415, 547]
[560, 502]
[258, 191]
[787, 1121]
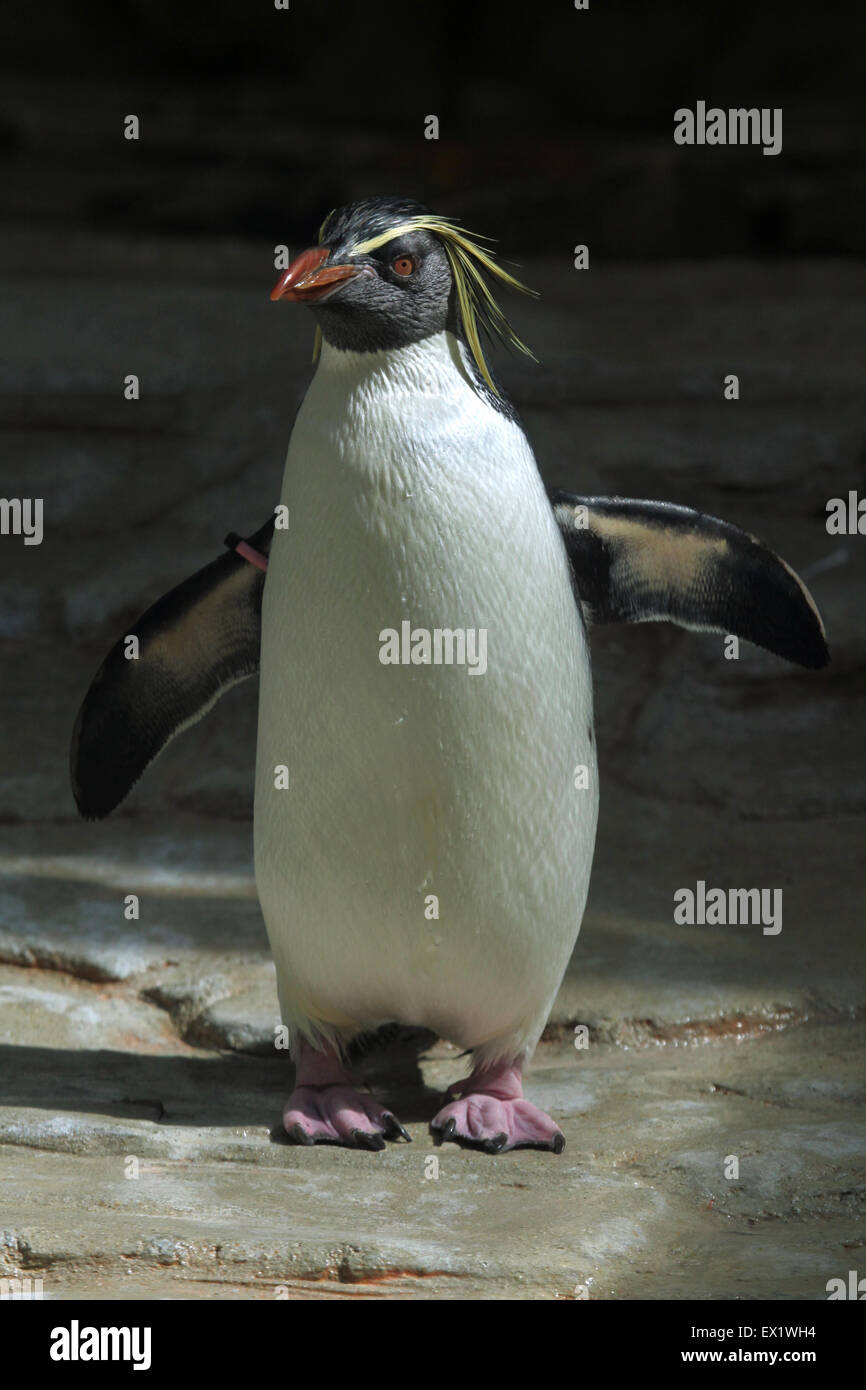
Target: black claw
[368, 1141]
[300, 1135]
[394, 1129]
[558, 1143]
[496, 1144]
[444, 1132]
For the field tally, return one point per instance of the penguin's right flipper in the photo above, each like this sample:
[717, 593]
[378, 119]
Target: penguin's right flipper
[194, 643]
[638, 562]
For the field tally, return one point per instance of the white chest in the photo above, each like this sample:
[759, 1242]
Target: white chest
[413, 504]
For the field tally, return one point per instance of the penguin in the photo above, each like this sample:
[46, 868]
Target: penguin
[423, 846]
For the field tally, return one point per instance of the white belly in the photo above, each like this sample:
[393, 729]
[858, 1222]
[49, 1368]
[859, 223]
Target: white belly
[430, 859]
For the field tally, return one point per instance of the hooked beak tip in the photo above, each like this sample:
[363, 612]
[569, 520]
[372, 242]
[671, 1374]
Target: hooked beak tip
[308, 278]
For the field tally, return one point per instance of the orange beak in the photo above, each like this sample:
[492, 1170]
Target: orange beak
[308, 278]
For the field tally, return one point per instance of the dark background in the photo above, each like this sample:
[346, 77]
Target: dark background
[156, 257]
[556, 125]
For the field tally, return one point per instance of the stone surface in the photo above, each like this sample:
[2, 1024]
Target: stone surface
[154, 1038]
[198, 1203]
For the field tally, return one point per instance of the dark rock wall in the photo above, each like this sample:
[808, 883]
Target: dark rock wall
[556, 125]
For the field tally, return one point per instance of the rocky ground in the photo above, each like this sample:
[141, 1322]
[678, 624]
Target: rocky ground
[140, 1090]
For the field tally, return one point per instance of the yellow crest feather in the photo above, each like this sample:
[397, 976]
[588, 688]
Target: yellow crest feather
[478, 308]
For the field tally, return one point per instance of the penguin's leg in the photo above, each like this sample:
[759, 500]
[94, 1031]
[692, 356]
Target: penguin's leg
[489, 1110]
[326, 1106]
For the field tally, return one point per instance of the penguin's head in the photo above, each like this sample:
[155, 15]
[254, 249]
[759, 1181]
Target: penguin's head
[368, 293]
[387, 272]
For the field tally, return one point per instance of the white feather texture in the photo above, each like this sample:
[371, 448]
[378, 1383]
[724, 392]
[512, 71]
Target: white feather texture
[411, 497]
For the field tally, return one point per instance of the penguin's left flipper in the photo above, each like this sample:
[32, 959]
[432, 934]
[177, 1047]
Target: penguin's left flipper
[194, 643]
[637, 562]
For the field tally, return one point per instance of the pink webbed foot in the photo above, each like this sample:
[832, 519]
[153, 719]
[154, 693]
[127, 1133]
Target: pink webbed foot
[326, 1108]
[492, 1113]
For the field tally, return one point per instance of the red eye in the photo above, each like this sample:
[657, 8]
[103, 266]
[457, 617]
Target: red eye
[403, 265]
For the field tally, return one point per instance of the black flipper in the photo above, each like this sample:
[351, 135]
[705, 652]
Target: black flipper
[636, 562]
[194, 644]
